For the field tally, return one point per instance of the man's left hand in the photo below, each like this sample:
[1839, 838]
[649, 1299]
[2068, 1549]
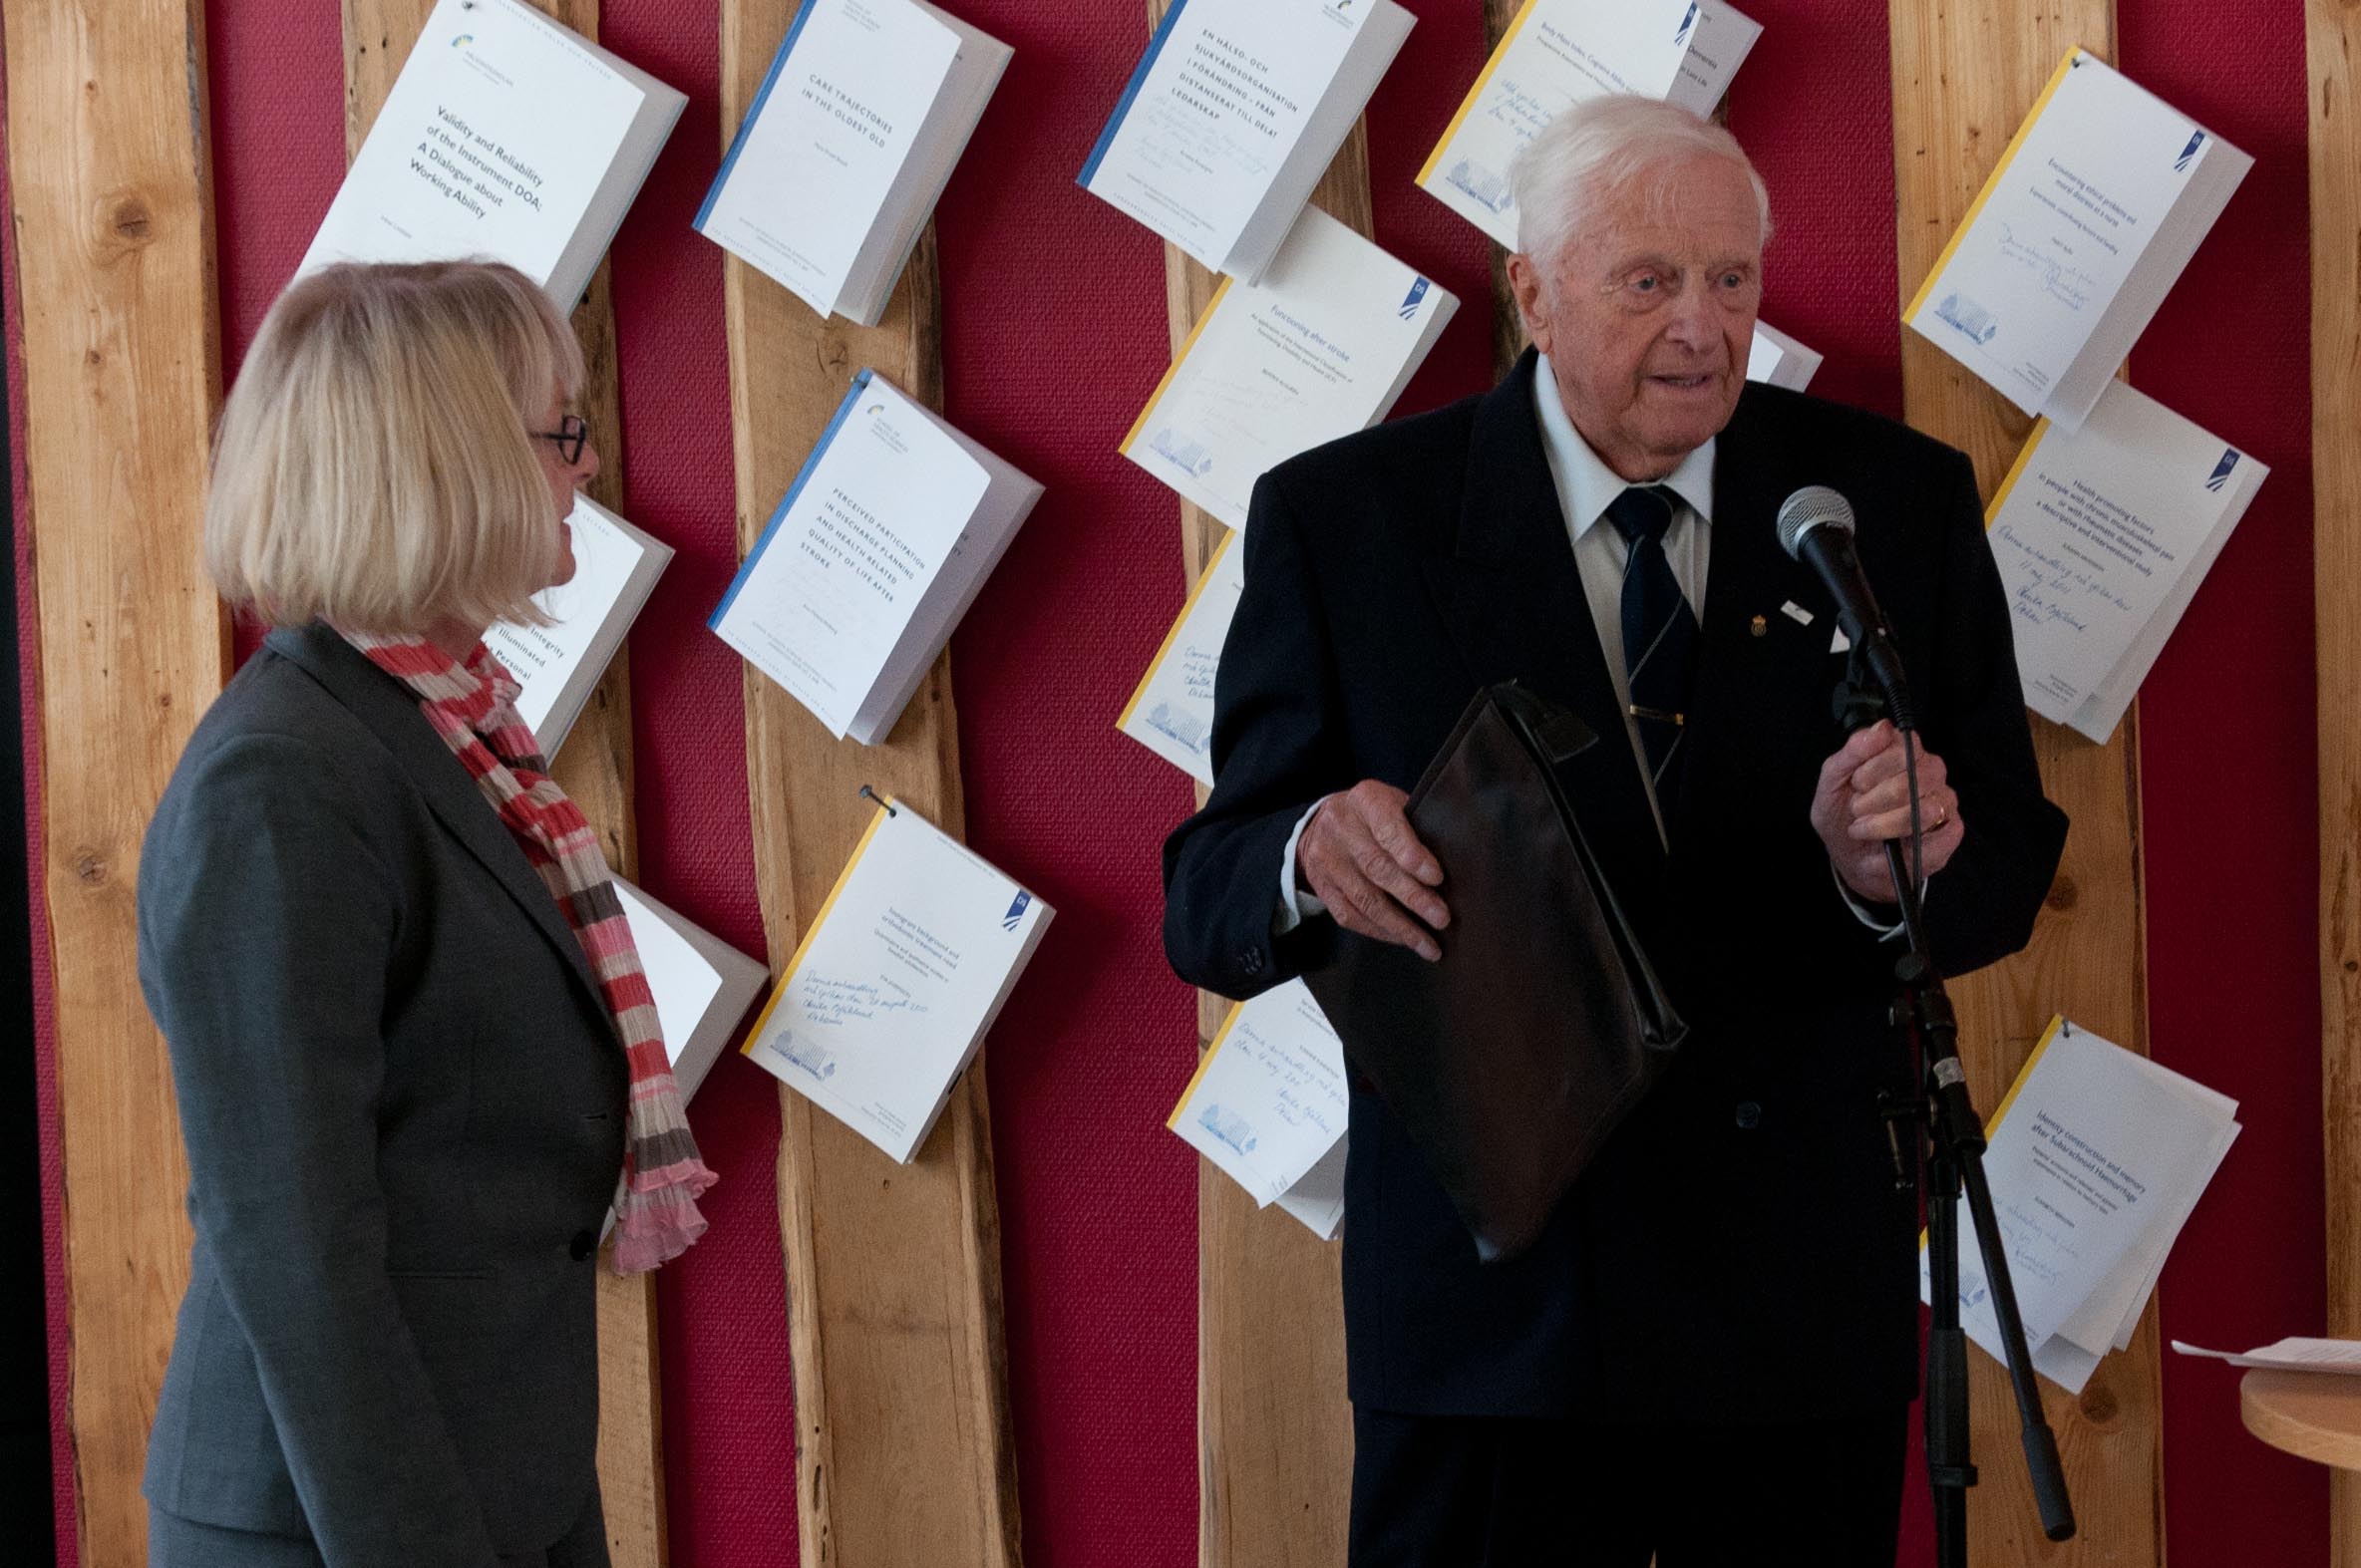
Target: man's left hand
[1864, 800]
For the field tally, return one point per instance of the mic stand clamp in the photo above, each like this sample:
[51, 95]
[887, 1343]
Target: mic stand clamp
[1954, 1162]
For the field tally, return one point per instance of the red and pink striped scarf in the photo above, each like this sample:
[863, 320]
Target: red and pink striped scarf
[474, 710]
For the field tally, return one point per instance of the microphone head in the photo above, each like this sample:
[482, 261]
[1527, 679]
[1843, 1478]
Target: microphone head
[1812, 506]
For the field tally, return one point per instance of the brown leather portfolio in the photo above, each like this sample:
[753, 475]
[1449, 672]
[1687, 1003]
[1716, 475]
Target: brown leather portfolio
[1510, 1059]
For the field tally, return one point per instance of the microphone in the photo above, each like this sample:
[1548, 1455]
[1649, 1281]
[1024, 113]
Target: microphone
[1816, 527]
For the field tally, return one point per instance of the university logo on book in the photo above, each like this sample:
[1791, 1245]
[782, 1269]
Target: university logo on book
[1418, 292]
[2189, 154]
[463, 40]
[1016, 911]
[2229, 461]
[1681, 34]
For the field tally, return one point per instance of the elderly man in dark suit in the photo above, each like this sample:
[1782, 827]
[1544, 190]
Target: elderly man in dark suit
[1709, 1355]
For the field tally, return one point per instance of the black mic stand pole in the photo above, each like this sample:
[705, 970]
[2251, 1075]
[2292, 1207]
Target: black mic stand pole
[1954, 1161]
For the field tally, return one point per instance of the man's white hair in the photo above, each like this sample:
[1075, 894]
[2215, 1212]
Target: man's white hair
[1597, 147]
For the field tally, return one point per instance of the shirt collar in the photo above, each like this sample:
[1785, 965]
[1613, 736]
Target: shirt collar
[1585, 485]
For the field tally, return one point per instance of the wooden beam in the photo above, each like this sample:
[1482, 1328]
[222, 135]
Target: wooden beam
[110, 170]
[2333, 36]
[1274, 1428]
[595, 768]
[1964, 74]
[903, 1447]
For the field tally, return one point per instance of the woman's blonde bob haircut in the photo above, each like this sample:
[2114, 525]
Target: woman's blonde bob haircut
[374, 467]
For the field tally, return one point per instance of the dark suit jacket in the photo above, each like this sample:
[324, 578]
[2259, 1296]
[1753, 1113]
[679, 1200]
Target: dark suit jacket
[1739, 1249]
[403, 1102]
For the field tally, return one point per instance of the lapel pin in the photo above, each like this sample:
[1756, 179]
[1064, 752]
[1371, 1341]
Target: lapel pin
[1761, 626]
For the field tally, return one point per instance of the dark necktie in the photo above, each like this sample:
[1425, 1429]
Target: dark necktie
[1659, 632]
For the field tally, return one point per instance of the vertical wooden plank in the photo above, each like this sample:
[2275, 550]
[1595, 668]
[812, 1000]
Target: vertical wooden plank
[107, 139]
[905, 1451]
[2333, 34]
[1964, 74]
[594, 769]
[1274, 1428]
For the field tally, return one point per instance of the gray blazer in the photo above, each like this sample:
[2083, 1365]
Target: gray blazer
[403, 1103]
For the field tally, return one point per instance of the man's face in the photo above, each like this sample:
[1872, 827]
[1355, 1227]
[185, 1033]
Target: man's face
[1648, 312]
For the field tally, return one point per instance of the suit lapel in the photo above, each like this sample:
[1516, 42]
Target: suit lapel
[391, 712]
[1507, 585]
[1740, 669]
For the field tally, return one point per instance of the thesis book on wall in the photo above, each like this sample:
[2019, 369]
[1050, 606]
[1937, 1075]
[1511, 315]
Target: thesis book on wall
[703, 985]
[1778, 360]
[1557, 52]
[557, 666]
[506, 136]
[2098, 1156]
[1232, 115]
[1321, 347]
[1172, 710]
[833, 173]
[2100, 199]
[2102, 536]
[1268, 1105]
[879, 547]
[897, 980]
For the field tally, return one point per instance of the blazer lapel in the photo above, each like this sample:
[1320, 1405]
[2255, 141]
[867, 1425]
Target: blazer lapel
[1748, 578]
[391, 712]
[1506, 583]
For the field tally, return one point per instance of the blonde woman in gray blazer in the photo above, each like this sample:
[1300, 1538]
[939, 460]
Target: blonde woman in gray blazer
[399, 1081]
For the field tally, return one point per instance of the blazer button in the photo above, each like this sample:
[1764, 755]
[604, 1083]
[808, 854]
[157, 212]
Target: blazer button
[1750, 1114]
[585, 1243]
[1251, 961]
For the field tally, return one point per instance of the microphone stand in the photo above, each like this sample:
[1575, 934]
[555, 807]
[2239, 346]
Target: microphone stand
[1953, 1161]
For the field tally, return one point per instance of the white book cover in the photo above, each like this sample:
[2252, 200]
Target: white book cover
[1318, 349]
[1172, 712]
[2096, 1158]
[2095, 207]
[2102, 536]
[1719, 42]
[897, 980]
[876, 549]
[701, 983]
[506, 136]
[1557, 52]
[857, 126]
[556, 667]
[1270, 1097]
[1778, 360]
[1317, 1199]
[1233, 112]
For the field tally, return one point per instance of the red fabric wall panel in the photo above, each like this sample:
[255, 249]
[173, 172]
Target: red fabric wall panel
[1055, 332]
[2229, 775]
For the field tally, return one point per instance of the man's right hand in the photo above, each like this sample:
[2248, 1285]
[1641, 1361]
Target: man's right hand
[1359, 857]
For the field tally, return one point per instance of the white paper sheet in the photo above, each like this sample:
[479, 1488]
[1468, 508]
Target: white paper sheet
[492, 143]
[1172, 713]
[823, 147]
[1231, 90]
[1556, 54]
[545, 658]
[1269, 1099]
[2062, 227]
[1318, 349]
[897, 980]
[840, 570]
[2100, 535]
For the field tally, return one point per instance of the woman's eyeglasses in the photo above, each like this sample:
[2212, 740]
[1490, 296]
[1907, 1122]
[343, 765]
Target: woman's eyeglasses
[571, 434]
